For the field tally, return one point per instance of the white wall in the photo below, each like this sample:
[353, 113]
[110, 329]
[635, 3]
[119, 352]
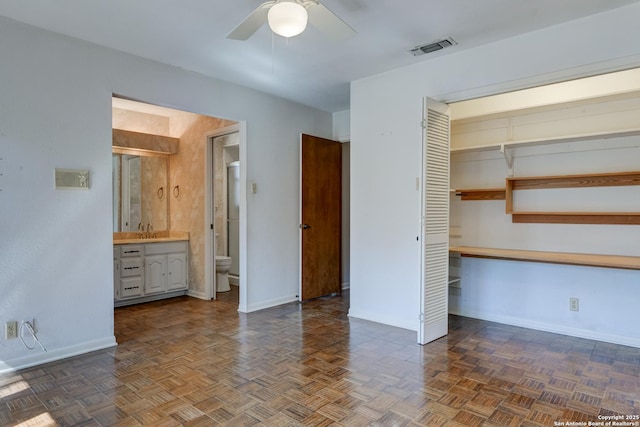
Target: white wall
[386, 138]
[56, 246]
[342, 126]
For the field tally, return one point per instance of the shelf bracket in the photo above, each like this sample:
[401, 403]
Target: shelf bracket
[508, 157]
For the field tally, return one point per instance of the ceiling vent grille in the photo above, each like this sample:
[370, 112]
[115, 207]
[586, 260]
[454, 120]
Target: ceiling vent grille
[433, 47]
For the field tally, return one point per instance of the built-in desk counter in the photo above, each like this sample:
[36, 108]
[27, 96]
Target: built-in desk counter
[591, 260]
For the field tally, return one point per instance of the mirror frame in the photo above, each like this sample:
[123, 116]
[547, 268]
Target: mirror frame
[161, 192]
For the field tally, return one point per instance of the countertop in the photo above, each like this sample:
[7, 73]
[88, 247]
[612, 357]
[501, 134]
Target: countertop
[160, 236]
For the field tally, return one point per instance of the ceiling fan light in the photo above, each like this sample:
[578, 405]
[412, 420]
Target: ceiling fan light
[287, 19]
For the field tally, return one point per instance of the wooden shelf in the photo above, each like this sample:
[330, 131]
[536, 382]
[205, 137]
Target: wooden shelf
[618, 218]
[481, 194]
[590, 260]
[614, 179]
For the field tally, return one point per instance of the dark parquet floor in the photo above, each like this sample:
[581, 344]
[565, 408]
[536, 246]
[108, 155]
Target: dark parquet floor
[196, 363]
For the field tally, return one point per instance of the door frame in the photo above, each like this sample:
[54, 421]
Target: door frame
[209, 247]
[236, 164]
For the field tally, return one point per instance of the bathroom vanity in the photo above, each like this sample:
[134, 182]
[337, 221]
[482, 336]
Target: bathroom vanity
[149, 269]
[150, 262]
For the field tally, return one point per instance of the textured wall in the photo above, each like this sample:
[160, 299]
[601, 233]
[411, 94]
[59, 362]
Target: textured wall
[187, 170]
[153, 171]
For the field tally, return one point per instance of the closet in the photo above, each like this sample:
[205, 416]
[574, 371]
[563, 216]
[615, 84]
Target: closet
[548, 177]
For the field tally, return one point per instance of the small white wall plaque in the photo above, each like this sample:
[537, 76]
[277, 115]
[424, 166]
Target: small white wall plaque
[76, 179]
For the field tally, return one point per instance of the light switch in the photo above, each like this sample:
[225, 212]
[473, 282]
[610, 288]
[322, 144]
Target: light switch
[254, 188]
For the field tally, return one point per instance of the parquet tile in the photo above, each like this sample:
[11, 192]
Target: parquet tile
[186, 362]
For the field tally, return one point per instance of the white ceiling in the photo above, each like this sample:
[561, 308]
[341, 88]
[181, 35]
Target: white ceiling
[310, 68]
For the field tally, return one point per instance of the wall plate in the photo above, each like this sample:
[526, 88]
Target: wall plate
[75, 179]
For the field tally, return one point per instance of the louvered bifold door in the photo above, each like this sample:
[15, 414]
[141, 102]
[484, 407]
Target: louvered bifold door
[435, 222]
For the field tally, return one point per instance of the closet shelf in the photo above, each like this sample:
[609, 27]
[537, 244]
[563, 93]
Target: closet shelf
[613, 179]
[481, 194]
[617, 218]
[590, 260]
[547, 141]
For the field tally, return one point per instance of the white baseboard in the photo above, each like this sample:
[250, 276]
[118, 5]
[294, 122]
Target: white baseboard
[375, 317]
[39, 357]
[547, 327]
[271, 303]
[346, 285]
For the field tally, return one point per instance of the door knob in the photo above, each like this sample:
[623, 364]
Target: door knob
[305, 226]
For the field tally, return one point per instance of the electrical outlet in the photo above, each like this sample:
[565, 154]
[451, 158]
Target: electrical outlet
[574, 304]
[11, 330]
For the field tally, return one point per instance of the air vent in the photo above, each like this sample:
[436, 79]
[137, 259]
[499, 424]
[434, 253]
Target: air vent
[433, 47]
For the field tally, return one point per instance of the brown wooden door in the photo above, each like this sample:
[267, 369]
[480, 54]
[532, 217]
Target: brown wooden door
[321, 215]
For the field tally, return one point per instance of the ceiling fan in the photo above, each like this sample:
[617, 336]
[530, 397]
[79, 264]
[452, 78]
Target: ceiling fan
[289, 18]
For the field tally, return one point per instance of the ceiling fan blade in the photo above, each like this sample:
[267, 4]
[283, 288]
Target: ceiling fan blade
[329, 23]
[251, 23]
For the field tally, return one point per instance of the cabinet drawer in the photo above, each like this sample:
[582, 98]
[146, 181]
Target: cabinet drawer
[166, 248]
[131, 287]
[131, 250]
[131, 267]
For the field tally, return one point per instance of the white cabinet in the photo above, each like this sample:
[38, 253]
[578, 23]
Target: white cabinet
[165, 267]
[165, 273]
[150, 271]
[130, 265]
[177, 271]
[155, 274]
[116, 273]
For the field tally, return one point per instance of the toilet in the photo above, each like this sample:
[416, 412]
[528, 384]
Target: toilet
[223, 264]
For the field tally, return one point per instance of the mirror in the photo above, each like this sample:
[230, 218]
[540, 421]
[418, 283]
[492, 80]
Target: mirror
[140, 192]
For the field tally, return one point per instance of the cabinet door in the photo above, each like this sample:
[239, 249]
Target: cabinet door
[155, 268]
[177, 269]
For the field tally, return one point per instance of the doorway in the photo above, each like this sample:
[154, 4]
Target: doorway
[226, 212]
[186, 195]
